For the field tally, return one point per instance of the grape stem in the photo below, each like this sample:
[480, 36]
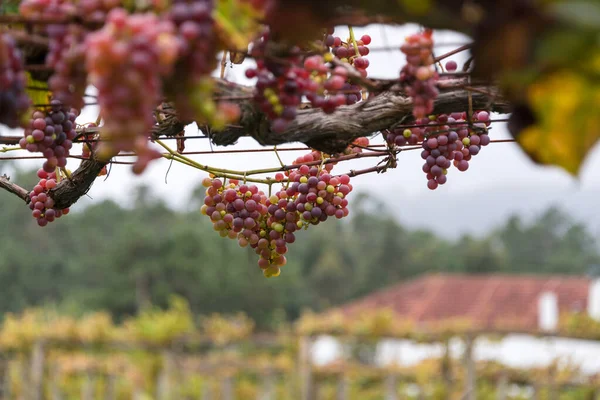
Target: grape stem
[353, 41]
[453, 52]
[7, 149]
[279, 158]
[283, 168]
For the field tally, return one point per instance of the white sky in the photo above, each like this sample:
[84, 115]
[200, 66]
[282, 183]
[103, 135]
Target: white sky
[500, 179]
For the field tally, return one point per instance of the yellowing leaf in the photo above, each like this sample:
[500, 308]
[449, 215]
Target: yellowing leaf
[568, 124]
[38, 91]
[237, 22]
[416, 7]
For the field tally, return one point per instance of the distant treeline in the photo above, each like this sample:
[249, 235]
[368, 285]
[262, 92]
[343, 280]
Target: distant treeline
[107, 257]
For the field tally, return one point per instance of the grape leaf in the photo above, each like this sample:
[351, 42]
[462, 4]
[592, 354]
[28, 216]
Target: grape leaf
[416, 7]
[9, 7]
[567, 122]
[580, 13]
[237, 22]
[38, 91]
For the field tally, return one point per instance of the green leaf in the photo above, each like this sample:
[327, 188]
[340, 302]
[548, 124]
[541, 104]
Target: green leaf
[9, 7]
[578, 12]
[237, 22]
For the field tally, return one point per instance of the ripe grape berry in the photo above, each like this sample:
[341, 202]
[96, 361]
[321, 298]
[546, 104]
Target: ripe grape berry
[41, 204]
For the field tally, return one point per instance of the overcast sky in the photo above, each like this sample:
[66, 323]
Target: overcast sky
[500, 180]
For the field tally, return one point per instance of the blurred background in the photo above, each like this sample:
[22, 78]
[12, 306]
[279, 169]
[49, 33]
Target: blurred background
[483, 289]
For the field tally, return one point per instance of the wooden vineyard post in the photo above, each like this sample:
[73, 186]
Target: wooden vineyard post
[342, 387]
[305, 367]
[421, 395]
[227, 388]
[55, 391]
[37, 371]
[163, 384]
[206, 390]
[88, 387]
[502, 387]
[268, 387]
[469, 362]
[391, 387]
[447, 368]
[536, 392]
[4, 379]
[110, 392]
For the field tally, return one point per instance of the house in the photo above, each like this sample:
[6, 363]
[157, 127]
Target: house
[518, 303]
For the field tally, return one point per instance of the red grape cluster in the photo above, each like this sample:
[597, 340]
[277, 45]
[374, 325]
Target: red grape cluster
[239, 211]
[280, 84]
[47, 8]
[419, 75]
[309, 196]
[41, 204]
[196, 40]
[317, 195]
[283, 80]
[126, 60]
[66, 57]
[14, 101]
[51, 133]
[451, 141]
[346, 51]
[96, 10]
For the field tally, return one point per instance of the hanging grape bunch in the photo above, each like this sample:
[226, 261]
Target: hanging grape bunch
[418, 75]
[51, 133]
[14, 101]
[41, 204]
[283, 80]
[267, 224]
[126, 60]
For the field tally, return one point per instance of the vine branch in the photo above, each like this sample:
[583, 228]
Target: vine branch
[13, 188]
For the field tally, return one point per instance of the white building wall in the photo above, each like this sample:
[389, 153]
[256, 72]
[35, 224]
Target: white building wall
[519, 351]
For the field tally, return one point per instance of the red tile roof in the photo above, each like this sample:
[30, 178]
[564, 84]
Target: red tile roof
[487, 301]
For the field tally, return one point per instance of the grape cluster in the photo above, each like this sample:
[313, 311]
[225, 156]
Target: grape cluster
[96, 10]
[451, 141]
[196, 40]
[126, 60]
[239, 211]
[268, 224]
[14, 101]
[419, 76]
[51, 133]
[280, 85]
[47, 8]
[346, 51]
[41, 204]
[401, 136]
[318, 195]
[284, 80]
[66, 57]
